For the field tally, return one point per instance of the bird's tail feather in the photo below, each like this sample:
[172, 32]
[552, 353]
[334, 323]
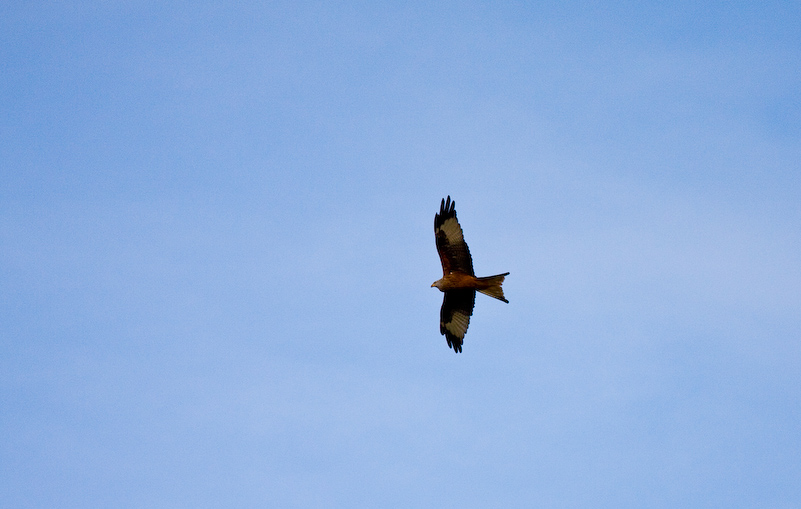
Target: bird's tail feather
[491, 285]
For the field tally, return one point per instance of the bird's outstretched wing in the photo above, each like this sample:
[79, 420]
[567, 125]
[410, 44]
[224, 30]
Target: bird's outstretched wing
[454, 317]
[452, 249]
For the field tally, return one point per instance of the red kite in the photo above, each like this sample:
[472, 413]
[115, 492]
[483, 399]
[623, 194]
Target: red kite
[459, 283]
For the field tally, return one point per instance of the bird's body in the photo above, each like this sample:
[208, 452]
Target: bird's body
[459, 283]
[487, 285]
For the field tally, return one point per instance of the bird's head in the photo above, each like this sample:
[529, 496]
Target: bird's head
[437, 284]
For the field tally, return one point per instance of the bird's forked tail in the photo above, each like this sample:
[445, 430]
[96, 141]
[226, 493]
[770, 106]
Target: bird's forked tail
[491, 285]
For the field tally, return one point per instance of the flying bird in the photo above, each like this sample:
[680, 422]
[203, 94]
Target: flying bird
[459, 283]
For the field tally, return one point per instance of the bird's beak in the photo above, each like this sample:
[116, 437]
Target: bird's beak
[432, 285]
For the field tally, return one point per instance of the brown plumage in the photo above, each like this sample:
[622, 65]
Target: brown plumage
[459, 283]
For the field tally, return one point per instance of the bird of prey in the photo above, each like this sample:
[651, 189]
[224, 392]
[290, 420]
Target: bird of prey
[459, 283]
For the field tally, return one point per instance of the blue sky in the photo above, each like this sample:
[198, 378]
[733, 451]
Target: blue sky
[216, 246]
